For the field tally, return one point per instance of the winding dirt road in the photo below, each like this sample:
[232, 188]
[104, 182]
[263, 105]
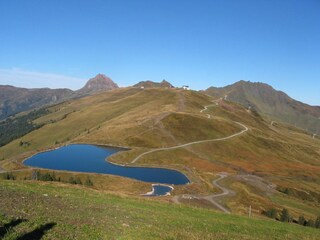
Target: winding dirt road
[205, 108]
[225, 192]
[211, 198]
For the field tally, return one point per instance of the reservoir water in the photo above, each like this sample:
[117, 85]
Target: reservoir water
[92, 159]
[159, 190]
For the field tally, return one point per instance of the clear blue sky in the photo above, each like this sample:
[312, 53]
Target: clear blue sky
[62, 43]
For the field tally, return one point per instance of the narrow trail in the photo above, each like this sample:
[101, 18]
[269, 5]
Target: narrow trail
[211, 198]
[195, 142]
[225, 192]
[205, 108]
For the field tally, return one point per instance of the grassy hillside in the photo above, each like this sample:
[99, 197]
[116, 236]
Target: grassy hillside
[145, 119]
[59, 211]
[128, 117]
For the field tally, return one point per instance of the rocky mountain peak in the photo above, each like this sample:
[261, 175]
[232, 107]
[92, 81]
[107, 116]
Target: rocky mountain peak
[99, 83]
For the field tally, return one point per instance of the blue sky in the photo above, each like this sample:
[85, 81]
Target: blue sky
[58, 43]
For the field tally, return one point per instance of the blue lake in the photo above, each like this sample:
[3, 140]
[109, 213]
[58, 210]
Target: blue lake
[92, 159]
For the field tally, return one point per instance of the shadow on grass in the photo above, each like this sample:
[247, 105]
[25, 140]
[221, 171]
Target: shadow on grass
[38, 233]
[6, 227]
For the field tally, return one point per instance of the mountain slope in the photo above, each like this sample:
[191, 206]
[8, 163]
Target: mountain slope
[14, 100]
[273, 104]
[147, 119]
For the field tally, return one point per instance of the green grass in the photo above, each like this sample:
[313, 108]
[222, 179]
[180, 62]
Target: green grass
[81, 213]
[294, 204]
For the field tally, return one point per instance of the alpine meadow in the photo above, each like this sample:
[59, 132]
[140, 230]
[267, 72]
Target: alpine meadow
[128, 120]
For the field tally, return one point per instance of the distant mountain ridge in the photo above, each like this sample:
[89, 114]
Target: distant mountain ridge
[14, 99]
[271, 103]
[151, 84]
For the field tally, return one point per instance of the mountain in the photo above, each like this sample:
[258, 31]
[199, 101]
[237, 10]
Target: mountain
[14, 100]
[97, 84]
[151, 84]
[273, 104]
[265, 167]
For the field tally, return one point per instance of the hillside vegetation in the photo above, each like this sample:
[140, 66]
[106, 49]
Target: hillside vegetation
[285, 158]
[30, 210]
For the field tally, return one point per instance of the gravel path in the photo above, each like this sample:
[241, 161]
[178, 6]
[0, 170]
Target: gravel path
[211, 198]
[225, 192]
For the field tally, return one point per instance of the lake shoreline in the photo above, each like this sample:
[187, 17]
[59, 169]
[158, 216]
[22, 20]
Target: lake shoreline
[132, 172]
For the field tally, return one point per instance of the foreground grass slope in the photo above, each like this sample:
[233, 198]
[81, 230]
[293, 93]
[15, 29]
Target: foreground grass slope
[59, 211]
